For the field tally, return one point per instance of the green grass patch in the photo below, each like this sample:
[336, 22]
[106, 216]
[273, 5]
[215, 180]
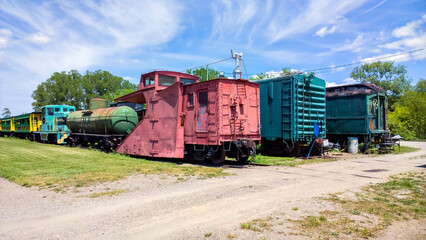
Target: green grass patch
[257, 225]
[404, 149]
[287, 161]
[400, 198]
[34, 164]
[102, 194]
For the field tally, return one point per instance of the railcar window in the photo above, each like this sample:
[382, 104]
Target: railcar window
[57, 109]
[202, 99]
[50, 111]
[187, 81]
[71, 109]
[43, 111]
[65, 109]
[149, 81]
[191, 100]
[165, 80]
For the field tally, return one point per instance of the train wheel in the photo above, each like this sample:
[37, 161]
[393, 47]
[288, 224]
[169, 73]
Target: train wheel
[219, 156]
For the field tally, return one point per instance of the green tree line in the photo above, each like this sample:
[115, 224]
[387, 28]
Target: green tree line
[75, 89]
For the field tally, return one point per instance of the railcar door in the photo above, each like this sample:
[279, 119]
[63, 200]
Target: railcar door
[202, 112]
[373, 109]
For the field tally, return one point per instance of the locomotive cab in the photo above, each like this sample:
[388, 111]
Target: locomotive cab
[54, 128]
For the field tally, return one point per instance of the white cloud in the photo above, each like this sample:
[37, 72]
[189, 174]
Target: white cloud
[80, 35]
[325, 30]
[395, 57]
[5, 35]
[131, 79]
[330, 84]
[39, 38]
[314, 14]
[410, 29]
[349, 81]
[356, 45]
[411, 43]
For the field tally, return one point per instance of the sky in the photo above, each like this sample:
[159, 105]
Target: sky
[130, 37]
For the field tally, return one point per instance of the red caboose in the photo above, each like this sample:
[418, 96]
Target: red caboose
[198, 120]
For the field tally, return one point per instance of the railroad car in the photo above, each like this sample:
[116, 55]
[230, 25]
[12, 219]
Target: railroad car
[104, 128]
[289, 107]
[54, 129]
[197, 120]
[27, 124]
[357, 110]
[7, 126]
[0, 126]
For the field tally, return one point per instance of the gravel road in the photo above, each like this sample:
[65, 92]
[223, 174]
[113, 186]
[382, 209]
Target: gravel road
[160, 207]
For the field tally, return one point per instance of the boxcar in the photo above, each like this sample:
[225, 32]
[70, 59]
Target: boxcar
[27, 124]
[357, 110]
[198, 120]
[54, 129]
[7, 126]
[289, 107]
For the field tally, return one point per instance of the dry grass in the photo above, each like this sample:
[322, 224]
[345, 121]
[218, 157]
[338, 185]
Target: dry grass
[373, 209]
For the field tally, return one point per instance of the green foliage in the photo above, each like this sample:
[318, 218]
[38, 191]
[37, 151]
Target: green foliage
[73, 89]
[393, 79]
[259, 76]
[202, 73]
[6, 113]
[409, 117]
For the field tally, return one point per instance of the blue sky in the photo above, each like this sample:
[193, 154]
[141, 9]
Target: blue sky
[130, 37]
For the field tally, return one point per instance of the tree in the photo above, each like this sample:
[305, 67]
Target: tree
[6, 113]
[409, 117]
[202, 73]
[386, 75]
[76, 90]
[284, 71]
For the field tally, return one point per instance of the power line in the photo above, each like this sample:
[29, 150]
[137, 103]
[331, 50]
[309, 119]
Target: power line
[360, 62]
[401, 58]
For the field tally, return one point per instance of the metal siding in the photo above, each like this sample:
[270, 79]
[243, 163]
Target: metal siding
[297, 103]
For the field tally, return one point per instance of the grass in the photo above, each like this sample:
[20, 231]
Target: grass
[257, 225]
[287, 161]
[404, 149]
[403, 197]
[108, 193]
[34, 164]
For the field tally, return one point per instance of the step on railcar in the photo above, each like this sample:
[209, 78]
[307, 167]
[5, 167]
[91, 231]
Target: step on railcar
[289, 107]
[54, 129]
[357, 110]
[197, 120]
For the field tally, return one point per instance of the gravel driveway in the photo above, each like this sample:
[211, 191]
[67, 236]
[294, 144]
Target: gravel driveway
[160, 207]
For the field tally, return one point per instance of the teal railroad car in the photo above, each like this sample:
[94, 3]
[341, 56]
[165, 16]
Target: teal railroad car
[289, 108]
[54, 128]
[357, 110]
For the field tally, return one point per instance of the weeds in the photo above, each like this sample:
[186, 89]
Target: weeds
[287, 161]
[400, 198]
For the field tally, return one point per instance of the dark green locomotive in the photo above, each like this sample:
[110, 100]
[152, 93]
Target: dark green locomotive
[357, 110]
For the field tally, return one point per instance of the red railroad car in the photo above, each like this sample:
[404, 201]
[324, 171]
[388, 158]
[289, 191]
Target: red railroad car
[198, 120]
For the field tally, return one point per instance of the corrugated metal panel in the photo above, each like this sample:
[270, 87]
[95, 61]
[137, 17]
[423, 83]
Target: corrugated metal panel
[290, 105]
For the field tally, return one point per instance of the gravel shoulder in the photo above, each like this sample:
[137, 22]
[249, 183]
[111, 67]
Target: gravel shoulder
[162, 207]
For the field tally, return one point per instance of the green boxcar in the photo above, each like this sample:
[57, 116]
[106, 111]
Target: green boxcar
[357, 110]
[289, 107]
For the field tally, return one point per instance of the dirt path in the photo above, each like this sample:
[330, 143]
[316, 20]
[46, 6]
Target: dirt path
[156, 208]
